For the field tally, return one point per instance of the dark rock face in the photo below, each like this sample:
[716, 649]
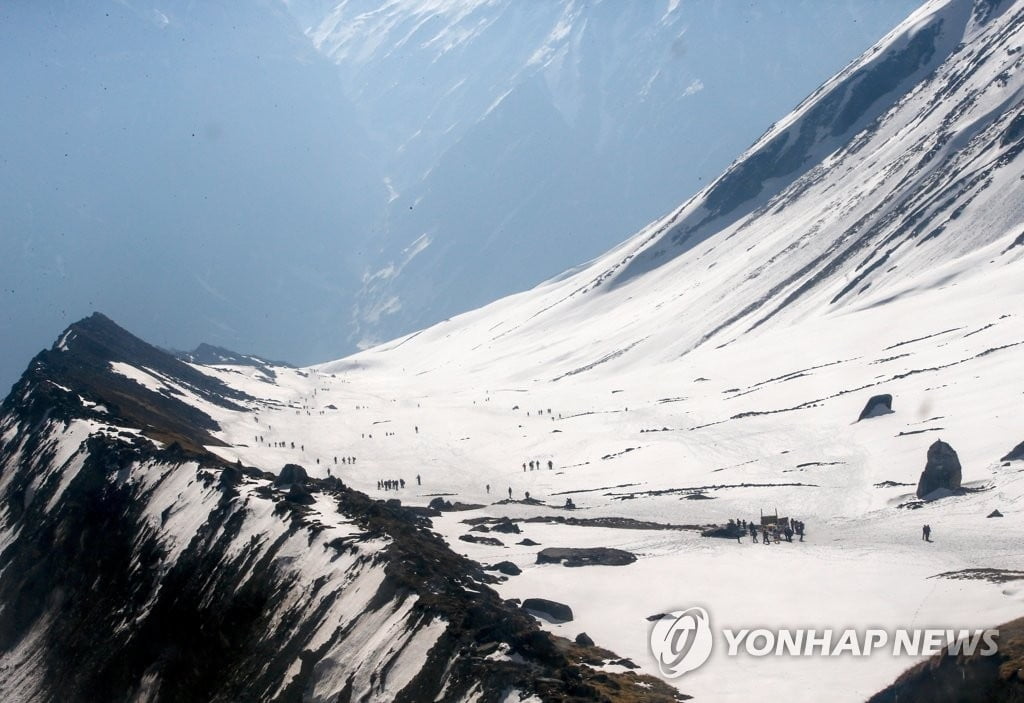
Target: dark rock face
[552, 610]
[568, 556]
[440, 504]
[298, 493]
[291, 474]
[876, 405]
[1016, 454]
[231, 476]
[953, 678]
[584, 639]
[81, 361]
[941, 471]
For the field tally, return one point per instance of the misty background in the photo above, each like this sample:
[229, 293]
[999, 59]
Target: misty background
[299, 178]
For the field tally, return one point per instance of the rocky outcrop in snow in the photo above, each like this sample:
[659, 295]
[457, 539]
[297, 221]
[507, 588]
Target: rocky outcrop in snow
[942, 471]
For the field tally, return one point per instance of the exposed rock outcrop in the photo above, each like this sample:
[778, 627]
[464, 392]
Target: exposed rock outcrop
[961, 678]
[550, 609]
[506, 567]
[941, 472]
[570, 556]
[1016, 454]
[291, 474]
[876, 405]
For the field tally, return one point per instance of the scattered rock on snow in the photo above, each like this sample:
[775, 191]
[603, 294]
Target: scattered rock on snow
[527, 542]
[876, 405]
[570, 556]
[995, 513]
[584, 640]
[552, 610]
[482, 540]
[942, 470]
[507, 526]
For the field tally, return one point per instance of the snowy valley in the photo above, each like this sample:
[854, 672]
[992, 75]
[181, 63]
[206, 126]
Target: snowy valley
[713, 367]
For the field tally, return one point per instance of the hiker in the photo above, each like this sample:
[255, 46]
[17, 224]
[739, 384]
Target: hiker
[417, 429]
[488, 487]
[402, 482]
[524, 467]
[510, 492]
[926, 533]
[531, 466]
[753, 532]
[789, 533]
[527, 495]
[418, 482]
[550, 463]
[765, 539]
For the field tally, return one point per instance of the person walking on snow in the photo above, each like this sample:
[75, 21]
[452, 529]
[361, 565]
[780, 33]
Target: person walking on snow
[926, 533]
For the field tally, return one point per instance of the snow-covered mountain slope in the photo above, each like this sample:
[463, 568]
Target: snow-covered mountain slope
[134, 565]
[520, 138]
[713, 367]
[870, 243]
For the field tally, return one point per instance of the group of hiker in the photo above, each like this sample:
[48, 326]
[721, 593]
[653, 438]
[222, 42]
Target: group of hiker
[536, 465]
[771, 533]
[390, 484]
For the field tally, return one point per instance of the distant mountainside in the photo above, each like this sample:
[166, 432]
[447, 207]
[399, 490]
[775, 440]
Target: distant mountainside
[905, 162]
[520, 138]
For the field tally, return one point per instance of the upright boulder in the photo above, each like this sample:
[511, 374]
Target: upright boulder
[876, 405]
[291, 473]
[941, 472]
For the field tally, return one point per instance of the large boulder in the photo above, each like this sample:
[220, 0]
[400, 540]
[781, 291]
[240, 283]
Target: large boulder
[569, 556]
[1016, 454]
[549, 609]
[291, 473]
[876, 405]
[941, 472]
[506, 567]
[439, 504]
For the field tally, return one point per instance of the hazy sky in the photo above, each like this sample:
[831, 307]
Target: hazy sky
[200, 172]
